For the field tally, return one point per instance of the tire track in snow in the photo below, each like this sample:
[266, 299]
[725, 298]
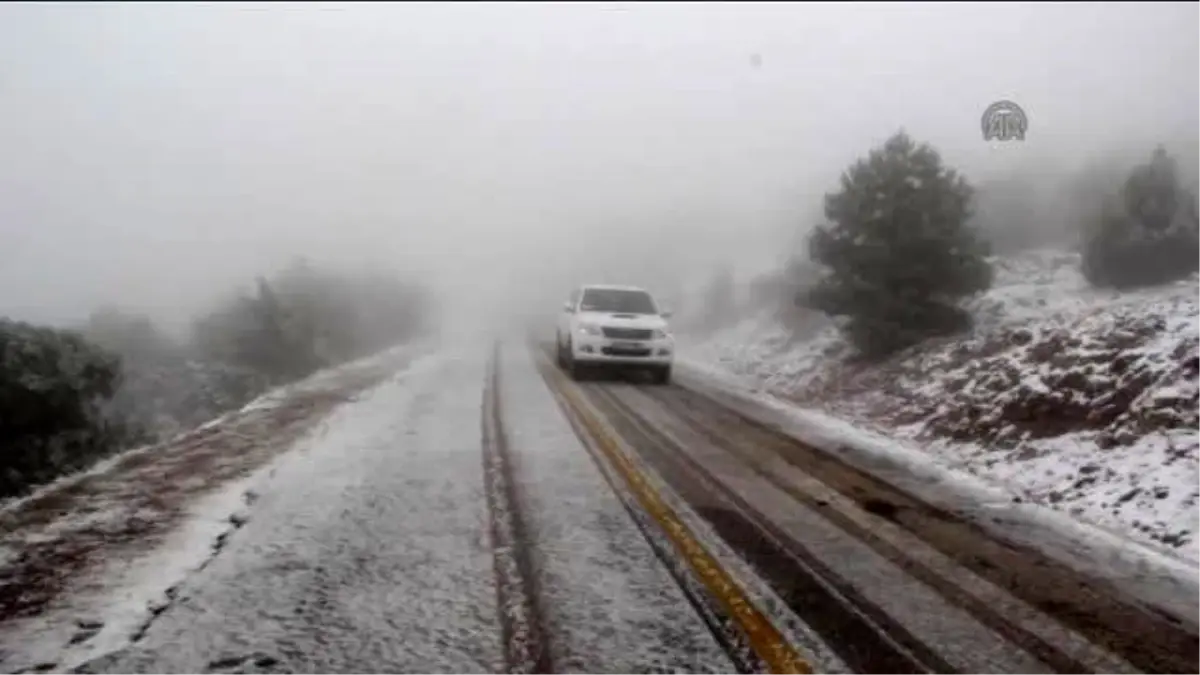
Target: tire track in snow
[1010, 618]
[619, 597]
[829, 608]
[1087, 606]
[752, 640]
[516, 583]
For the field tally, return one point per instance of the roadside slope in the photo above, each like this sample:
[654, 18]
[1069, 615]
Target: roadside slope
[1079, 399]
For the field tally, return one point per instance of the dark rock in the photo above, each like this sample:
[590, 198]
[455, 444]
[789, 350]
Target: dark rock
[227, 662]
[881, 508]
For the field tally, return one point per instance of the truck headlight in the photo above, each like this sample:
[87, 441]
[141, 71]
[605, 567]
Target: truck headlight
[589, 329]
[660, 334]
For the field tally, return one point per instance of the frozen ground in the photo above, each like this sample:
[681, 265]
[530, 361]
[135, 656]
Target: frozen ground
[1082, 400]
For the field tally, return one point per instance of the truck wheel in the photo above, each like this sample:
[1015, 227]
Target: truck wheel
[662, 375]
[579, 372]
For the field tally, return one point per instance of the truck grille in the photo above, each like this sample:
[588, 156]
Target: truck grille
[615, 351]
[628, 333]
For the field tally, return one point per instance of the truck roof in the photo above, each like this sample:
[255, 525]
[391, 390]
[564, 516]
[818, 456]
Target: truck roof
[612, 287]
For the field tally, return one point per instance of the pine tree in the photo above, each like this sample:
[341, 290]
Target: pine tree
[898, 252]
[1147, 234]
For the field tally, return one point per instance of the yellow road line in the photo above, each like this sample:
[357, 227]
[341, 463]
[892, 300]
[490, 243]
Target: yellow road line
[764, 638]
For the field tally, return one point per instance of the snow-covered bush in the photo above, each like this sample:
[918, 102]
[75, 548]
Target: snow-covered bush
[68, 398]
[55, 388]
[164, 389]
[306, 318]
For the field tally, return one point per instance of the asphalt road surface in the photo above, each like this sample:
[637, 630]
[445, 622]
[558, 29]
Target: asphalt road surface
[478, 511]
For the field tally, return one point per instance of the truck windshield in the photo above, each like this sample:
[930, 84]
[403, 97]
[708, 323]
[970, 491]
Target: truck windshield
[617, 301]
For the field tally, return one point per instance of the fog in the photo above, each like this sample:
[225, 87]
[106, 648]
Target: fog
[157, 156]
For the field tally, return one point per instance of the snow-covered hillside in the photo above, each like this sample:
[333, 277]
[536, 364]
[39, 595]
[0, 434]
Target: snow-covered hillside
[1080, 399]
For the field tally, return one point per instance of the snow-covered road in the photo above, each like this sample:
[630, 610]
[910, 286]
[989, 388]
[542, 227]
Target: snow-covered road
[609, 527]
[364, 553]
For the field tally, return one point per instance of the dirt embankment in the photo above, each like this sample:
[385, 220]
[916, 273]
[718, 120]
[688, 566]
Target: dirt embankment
[1117, 382]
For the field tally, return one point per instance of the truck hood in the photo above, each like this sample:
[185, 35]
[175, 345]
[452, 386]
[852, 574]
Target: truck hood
[649, 321]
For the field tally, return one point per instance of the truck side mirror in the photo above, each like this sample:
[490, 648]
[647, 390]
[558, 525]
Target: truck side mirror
[568, 308]
[666, 313]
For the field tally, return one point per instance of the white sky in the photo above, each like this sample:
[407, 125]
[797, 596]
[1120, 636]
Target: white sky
[157, 155]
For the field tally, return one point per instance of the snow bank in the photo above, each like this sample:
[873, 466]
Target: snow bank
[119, 599]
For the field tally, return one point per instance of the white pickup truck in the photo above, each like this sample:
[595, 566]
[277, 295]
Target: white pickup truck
[614, 327]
